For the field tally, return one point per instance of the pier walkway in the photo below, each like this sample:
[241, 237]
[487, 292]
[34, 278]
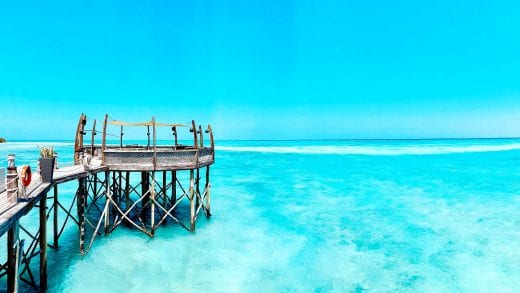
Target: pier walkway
[106, 196]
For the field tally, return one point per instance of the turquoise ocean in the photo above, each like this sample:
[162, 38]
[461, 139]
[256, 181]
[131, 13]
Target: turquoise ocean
[318, 216]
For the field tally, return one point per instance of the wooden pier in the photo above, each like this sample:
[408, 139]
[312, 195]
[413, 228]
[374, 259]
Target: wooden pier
[117, 184]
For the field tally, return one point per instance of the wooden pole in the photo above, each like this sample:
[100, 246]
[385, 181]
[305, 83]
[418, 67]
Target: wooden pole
[80, 131]
[212, 142]
[13, 253]
[145, 186]
[197, 194]
[120, 186]
[55, 226]
[201, 137]
[127, 189]
[81, 212]
[174, 187]
[165, 197]
[95, 190]
[194, 130]
[114, 186]
[108, 191]
[192, 202]
[12, 181]
[93, 134]
[174, 131]
[104, 142]
[152, 217]
[43, 242]
[208, 193]
[148, 134]
[154, 145]
[121, 138]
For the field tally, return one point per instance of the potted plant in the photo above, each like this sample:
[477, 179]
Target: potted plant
[46, 164]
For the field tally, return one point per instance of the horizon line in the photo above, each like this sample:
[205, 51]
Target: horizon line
[307, 139]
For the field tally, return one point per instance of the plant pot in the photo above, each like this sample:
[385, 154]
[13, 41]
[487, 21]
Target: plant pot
[46, 169]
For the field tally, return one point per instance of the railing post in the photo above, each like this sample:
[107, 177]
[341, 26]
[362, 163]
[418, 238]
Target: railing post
[12, 181]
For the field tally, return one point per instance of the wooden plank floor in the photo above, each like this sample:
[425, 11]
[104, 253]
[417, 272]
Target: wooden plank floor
[37, 189]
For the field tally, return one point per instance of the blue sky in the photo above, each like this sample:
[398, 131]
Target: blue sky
[264, 69]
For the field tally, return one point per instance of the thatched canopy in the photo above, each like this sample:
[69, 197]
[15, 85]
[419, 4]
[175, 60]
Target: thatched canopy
[2, 140]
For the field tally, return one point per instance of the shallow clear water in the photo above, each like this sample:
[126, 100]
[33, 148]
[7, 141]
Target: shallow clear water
[439, 215]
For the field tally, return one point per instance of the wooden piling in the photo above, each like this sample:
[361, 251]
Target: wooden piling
[174, 188]
[192, 202]
[164, 196]
[208, 194]
[127, 189]
[55, 226]
[95, 188]
[120, 186]
[81, 202]
[197, 190]
[152, 195]
[108, 205]
[13, 253]
[43, 243]
[145, 187]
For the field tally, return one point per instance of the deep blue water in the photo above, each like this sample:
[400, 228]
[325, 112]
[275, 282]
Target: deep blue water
[347, 216]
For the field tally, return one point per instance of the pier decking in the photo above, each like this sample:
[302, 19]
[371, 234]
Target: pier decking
[106, 196]
[38, 189]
